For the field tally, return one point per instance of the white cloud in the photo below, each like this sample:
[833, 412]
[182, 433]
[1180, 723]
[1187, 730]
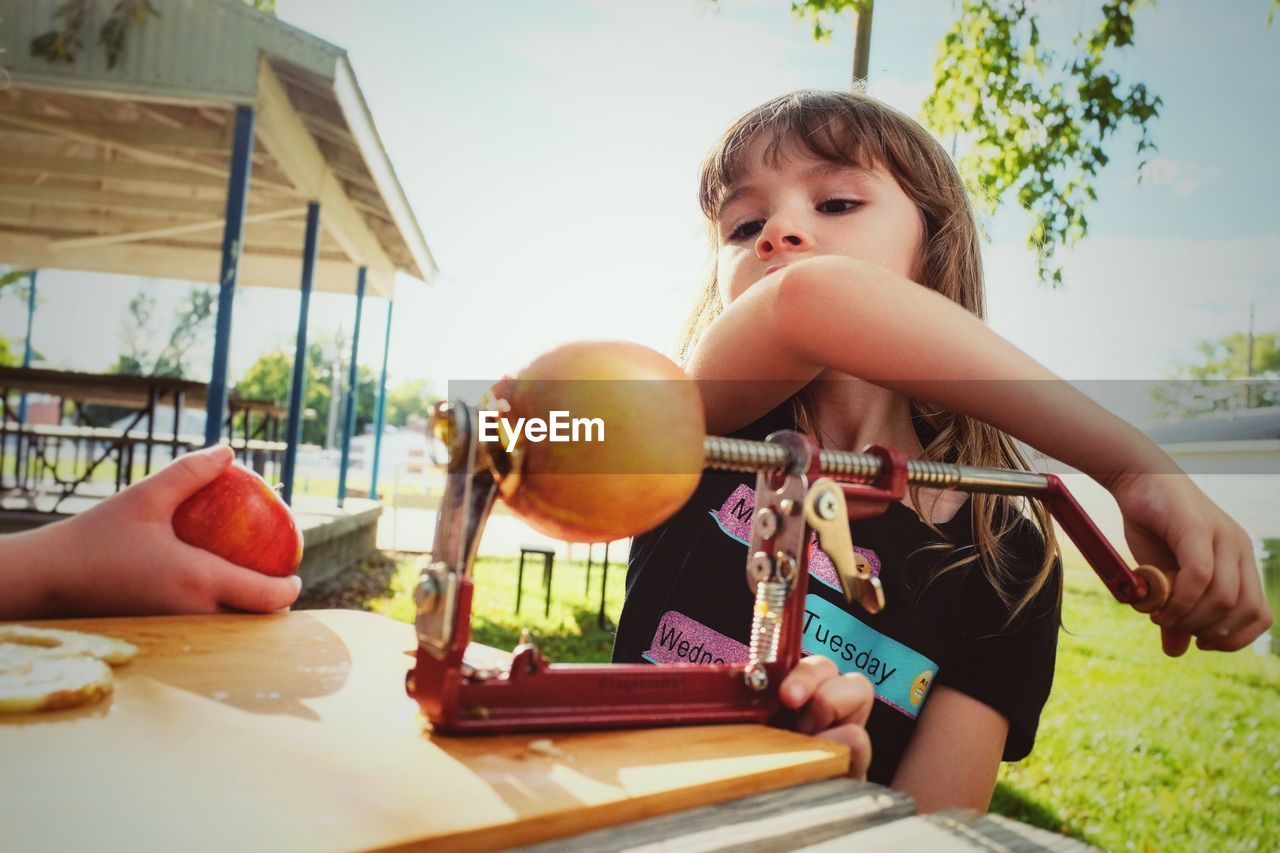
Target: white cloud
[904, 95]
[1184, 178]
[1132, 308]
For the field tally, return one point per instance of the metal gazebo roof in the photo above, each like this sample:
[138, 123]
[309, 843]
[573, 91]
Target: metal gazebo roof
[126, 169]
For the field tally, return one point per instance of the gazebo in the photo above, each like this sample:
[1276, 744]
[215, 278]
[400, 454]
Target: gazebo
[218, 144]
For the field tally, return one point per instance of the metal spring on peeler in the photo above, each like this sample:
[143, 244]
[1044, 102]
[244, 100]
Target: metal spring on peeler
[766, 622]
[924, 472]
[735, 454]
[843, 463]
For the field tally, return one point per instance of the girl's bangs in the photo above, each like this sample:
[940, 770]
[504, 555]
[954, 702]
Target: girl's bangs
[829, 126]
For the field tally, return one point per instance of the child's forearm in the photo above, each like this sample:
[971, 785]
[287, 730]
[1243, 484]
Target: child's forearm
[30, 573]
[858, 319]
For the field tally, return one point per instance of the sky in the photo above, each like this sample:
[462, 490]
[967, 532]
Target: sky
[550, 151]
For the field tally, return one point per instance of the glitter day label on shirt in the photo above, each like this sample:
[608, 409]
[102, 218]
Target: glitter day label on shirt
[900, 675]
[680, 639]
[734, 518]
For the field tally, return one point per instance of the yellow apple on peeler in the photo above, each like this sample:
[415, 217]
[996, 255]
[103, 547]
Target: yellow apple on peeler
[632, 467]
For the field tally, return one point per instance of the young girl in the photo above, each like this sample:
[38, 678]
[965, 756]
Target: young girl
[848, 289]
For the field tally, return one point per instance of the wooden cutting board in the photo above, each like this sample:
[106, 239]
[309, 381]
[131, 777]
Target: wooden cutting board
[293, 731]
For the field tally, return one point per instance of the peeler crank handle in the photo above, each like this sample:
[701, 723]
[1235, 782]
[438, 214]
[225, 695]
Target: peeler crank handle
[1146, 589]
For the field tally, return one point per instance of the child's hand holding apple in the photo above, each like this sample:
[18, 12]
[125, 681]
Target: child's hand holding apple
[124, 556]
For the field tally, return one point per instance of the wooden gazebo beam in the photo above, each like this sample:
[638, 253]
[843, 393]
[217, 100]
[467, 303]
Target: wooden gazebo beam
[172, 230]
[81, 167]
[199, 265]
[284, 134]
[141, 143]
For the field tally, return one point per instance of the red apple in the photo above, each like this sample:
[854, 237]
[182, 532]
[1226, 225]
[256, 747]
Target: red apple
[646, 468]
[240, 518]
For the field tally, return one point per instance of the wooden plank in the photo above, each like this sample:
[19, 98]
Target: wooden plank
[347, 164]
[257, 269]
[134, 144]
[56, 223]
[173, 230]
[312, 102]
[116, 203]
[335, 134]
[134, 135]
[30, 163]
[356, 112]
[85, 99]
[266, 244]
[82, 199]
[947, 833]
[105, 388]
[284, 134]
[293, 731]
[137, 173]
[778, 820]
[1010, 835]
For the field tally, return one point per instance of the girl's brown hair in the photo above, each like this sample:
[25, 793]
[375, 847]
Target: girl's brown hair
[851, 129]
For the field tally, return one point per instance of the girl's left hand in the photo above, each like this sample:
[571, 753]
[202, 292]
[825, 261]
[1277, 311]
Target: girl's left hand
[1217, 595]
[832, 706]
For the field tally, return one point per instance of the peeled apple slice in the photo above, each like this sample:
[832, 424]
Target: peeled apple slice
[64, 643]
[39, 679]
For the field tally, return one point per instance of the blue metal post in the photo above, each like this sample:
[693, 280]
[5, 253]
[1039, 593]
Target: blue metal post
[349, 422]
[232, 241]
[26, 352]
[298, 389]
[380, 416]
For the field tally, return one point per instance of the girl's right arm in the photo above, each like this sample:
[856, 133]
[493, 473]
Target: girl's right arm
[837, 313]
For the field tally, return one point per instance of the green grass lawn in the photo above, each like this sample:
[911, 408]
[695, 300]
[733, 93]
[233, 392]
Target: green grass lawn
[1135, 751]
[568, 633]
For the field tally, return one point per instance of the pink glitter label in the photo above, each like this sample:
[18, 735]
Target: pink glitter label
[680, 639]
[734, 518]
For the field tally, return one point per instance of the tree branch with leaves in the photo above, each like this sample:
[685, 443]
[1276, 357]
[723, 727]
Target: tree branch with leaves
[1039, 124]
[188, 327]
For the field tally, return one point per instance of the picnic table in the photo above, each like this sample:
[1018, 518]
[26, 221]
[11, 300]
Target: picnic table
[38, 448]
[293, 731]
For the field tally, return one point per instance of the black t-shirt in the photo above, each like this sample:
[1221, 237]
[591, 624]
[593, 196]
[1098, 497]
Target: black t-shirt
[688, 601]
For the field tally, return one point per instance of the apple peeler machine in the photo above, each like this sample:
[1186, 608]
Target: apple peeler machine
[463, 687]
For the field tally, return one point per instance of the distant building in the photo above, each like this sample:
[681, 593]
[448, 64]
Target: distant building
[1245, 441]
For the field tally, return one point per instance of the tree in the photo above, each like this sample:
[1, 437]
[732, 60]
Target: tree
[270, 378]
[1040, 121]
[1236, 371]
[410, 398]
[187, 329]
[14, 282]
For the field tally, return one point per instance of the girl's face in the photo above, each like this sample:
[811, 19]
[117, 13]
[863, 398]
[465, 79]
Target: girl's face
[805, 207]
